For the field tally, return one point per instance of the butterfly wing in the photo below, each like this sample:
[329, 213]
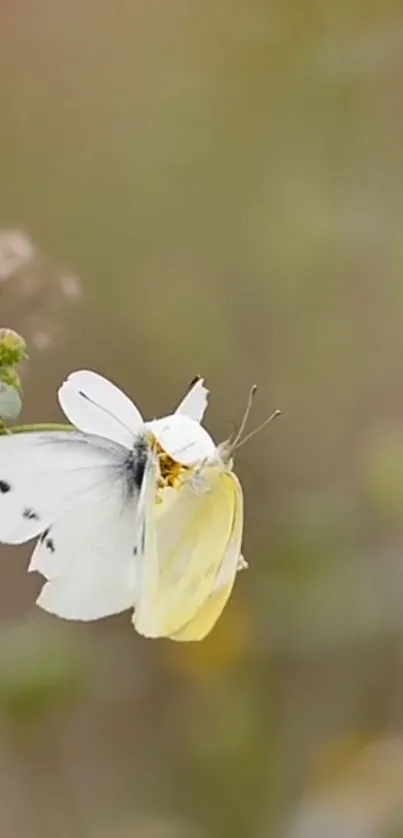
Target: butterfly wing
[93, 555]
[96, 406]
[44, 473]
[146, 531]
[81, 503]
[195, 402]
[206, 617]
[192, 538]
[90, 558]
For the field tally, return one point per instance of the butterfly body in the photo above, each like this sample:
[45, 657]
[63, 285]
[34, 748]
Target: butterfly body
[134, 464]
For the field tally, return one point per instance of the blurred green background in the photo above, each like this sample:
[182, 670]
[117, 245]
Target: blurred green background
[216, 188]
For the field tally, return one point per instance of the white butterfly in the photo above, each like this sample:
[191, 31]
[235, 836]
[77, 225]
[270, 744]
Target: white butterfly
[89, 494]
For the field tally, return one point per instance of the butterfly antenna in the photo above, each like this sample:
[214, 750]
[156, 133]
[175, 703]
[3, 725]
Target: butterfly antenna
[252, 393]
[258, 429]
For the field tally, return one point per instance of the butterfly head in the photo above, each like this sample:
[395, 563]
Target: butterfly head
[179, 443]
[172, 473]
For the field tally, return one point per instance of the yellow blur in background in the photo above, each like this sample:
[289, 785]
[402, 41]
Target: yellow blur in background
[196, 187]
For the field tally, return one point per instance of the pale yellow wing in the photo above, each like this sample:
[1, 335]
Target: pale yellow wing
[192, 539]
[206, 617]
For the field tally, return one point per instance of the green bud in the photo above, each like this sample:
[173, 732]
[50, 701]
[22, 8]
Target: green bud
[13, 348]
[10, 376]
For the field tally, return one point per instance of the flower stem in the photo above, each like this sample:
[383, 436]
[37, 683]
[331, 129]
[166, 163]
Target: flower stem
[40, 426]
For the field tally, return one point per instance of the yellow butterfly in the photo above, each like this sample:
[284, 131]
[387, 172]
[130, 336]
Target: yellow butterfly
[193, 549]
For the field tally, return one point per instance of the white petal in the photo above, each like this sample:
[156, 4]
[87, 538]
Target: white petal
[183, 439]
[195, 402]
[96, 406]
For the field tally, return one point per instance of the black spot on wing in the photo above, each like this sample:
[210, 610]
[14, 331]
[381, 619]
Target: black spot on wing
[4, 487]
[142, 542]
[49, 543]
[30, 515]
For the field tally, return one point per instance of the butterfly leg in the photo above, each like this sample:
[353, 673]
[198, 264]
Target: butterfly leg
[199, 484]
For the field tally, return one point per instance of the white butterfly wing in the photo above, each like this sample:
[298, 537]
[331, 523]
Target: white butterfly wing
[44, 473]
[96, 406]
[90, 557]
[195, 402]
